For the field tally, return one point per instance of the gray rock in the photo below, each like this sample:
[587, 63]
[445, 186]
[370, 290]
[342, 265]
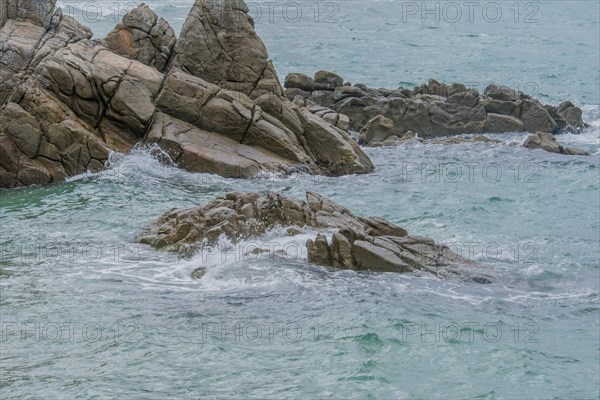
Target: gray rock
[318, 251]
[437, 109]
[325, 98]
[502, 93]
[334, 150]
[299, 81]
[535, 117]
[144, 37]
[547, 141]
[503, 107]
[376, 130]
[198, 273]
[371, 257]
[460, 113]
[498, 123]
[329, 79]
[572, 114]
[37, 12]
[67, 101]
[218, 43]
[358, 243]
[345, 92]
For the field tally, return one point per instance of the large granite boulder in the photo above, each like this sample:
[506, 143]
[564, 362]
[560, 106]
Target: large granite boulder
[357, 243]
[46, 144]
[144, 37]
[536, 118]
[199, 150]
[218, 43]
[25, 41]
[108, 91]
[547, 141]
[437, 109]
[211, 98]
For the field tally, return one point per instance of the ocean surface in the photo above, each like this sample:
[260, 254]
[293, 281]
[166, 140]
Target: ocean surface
[88, 313]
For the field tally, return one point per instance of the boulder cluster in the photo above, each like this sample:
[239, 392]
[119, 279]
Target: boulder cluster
[211, 99]
[357, 243]
[379, 132]
[434, 109]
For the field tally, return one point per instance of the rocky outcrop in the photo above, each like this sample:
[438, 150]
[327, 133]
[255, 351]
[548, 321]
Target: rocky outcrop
[380, 132]
[38, 12]
[144, 37]
[218, 44]
[211, 98]
[34, 152]
[357, 243]
[437, 109]
[547, 142]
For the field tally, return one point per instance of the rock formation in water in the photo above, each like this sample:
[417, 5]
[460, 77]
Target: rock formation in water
[379, 132]
[547, 142]
[357, 243]
[211, 99]
[436, 109]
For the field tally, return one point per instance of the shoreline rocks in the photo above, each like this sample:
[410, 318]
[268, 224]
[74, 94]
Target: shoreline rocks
[547, 142]
[211, 98]
[436, 109]
[357, 243]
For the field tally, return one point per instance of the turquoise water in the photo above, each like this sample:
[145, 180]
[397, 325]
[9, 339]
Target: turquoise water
[88, 313]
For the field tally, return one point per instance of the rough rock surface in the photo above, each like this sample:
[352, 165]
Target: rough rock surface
[384, 135]
[218, 44]
[333, 117]
[357, 243]
[547, 142]
[144, 37]
[437, 109]
[211, 98]
[376, 130]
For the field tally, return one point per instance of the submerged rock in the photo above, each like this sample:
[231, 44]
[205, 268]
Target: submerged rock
[211, 99]
[547, 142]
[357, 243]
[437, 109]
[198, 273]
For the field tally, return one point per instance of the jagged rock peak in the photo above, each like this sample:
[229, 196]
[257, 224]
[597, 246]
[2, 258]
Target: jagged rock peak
[218, 43]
